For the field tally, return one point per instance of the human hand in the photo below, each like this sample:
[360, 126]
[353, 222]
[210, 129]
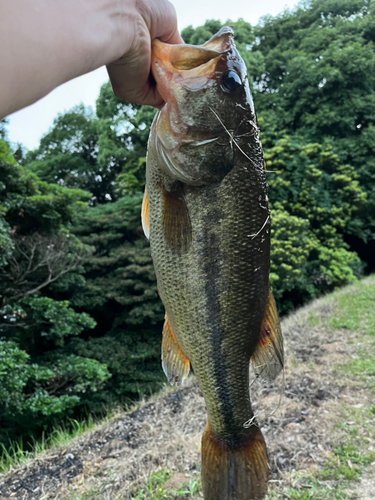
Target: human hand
[44, 44]
[130, 75]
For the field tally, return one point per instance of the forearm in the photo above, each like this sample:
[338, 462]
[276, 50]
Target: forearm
[44, 43]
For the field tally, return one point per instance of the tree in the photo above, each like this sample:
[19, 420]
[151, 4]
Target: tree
[120, 294]
[39, 383]
[69, 155]
[318, 82]
[119, 290]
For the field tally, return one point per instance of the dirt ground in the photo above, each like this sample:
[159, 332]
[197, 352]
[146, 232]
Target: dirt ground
[299, 414]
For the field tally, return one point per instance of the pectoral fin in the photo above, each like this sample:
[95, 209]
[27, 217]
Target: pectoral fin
[145, 215]
[176, 219]
[268, 357]
[175, 364]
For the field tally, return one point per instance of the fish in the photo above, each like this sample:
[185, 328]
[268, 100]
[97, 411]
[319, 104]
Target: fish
[206, 213]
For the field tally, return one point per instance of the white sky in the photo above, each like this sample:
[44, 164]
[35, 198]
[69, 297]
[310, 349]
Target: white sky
[28, 125]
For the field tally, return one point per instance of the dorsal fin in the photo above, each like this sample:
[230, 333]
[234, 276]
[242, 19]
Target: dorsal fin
[268, 357]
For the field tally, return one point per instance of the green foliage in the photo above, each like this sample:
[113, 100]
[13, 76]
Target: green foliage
[121, 269]
[119, 289]
[314, 198]
[29, 205]
[39, 321]
[68, 155]
[132, 126]
[34, 393]
[6, 245]
[318, 82]
[39, 382]
[120, 294]
[89, 152]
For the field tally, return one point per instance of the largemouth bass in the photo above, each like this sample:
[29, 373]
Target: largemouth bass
[206, 213]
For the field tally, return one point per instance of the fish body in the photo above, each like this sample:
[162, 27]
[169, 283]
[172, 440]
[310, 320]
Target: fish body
[207, 216]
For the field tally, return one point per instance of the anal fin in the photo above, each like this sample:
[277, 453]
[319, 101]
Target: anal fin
[268, 357]
[175, 364]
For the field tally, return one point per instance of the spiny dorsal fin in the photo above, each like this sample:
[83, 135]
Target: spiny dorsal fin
[268, 357]
[175, 364]
[176, 219]
[145, 215]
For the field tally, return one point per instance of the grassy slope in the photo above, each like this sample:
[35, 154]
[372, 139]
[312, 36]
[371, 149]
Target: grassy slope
[320, 433]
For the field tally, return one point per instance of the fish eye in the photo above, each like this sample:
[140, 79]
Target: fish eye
[230, 81]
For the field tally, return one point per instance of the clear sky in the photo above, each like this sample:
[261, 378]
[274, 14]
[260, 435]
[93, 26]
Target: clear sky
[28, 125]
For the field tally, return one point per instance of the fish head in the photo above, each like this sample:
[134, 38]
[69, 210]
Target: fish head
[208, 107]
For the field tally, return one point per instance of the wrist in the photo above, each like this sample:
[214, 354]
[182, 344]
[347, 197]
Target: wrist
[110, 31]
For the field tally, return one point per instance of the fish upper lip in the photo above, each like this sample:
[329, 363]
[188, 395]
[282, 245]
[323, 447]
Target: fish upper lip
[192, 60]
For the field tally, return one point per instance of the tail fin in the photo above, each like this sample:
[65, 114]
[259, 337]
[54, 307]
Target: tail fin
[234, 473]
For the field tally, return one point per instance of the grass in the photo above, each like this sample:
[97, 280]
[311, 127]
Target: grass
[154, 488]
[356, 308]
[310, 488]
[350, 457]
[347, 463]
[356, 312]
[17, 453]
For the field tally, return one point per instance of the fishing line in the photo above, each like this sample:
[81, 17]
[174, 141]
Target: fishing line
[232, 139]
[252, 236]
[252, 421]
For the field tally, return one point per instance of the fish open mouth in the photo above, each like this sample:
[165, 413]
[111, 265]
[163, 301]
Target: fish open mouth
[188, 61]
[178, 58]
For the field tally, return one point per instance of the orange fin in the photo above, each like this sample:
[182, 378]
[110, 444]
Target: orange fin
[234, 473]
[175, 364]
[268, 357]
[176, 219]
[145, 215]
